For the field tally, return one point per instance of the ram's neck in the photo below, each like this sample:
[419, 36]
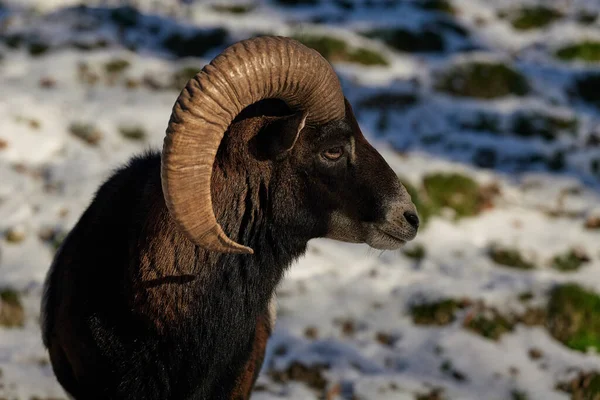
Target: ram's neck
[243, 206]
[202, 304]
[182, 281]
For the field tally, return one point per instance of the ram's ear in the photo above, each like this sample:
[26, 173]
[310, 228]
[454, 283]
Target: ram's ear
[281, 134]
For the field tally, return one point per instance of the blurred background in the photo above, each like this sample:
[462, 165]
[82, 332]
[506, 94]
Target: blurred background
[489, 112]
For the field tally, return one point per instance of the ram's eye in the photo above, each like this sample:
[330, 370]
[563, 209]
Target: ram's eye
[334, 153]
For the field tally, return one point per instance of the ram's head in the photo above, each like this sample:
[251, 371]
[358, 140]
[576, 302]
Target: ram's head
[341, 186]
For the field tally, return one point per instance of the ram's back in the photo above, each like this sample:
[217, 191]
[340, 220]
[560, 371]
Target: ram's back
[87, 273]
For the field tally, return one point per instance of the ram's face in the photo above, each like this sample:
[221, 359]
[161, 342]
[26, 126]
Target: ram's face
[347, 186]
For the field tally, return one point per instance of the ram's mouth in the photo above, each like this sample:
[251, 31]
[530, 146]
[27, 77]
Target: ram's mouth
[392, 236]
[382, 239]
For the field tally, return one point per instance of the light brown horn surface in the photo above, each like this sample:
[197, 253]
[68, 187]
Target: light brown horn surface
[244, 73]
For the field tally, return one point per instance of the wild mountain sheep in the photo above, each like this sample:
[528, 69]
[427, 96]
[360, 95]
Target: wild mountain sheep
[148, 298]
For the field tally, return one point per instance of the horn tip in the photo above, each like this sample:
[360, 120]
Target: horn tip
[231, 248]
[216, 240]
[235, 248]
[246, 250]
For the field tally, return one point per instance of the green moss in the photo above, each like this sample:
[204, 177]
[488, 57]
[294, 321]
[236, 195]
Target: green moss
[435, 313]
[11, 309]
[545, 126]
[585, 386]
[365, 56]
[489, 324]
[556, 161]
[574, 317]
[58, 239]
[313, 375]
[53, 236]
[527, 18]
[38, 48]
[433, 394]
[410, 41]
[592, 222]
[337, 50]
[587, 87]
[237, 9]
[449, 25]
[455, 191]
[116, 66]
[86, 132]
[195, 45]
[291, 3]
[572, 260]
[345, 4]
[448, 369]
[485, 157]
[446, 366]
[182, 76]
[437, 5]
[524, 161]
[329, 47]
[88, 45]
[14, 236]
[383, 121]
[10, 296]
[86, 75]
[13, 41]
[509, 257]
[595, 166]
[31, 122]
[416, 252]
[585, 51]
[525, 296]
[125, 17]
[483, 122]
[433, 138]
[518, 395]
[388, 100]
[134, 132]
[587, 17]
[482, 80]
[533, 316]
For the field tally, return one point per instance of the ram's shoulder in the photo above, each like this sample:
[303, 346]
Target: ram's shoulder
[131, 176]
[137, 165]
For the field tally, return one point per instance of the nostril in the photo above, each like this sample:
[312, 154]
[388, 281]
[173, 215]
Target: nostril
[412, 218]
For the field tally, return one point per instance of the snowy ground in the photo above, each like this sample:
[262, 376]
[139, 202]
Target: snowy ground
[82, 89]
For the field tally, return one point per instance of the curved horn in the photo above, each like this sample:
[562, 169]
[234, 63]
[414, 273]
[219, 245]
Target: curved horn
[244, 73]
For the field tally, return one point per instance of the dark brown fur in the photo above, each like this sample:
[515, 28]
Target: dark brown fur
[134, 310]
[245, 382]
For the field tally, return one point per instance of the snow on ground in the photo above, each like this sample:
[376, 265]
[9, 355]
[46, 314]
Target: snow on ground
[84, 88]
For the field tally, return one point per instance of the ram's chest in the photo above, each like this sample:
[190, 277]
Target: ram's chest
[163, 305]
[235, 378]
[249, 372]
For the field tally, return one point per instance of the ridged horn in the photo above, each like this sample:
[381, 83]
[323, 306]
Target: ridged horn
[244, 73]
